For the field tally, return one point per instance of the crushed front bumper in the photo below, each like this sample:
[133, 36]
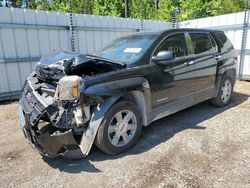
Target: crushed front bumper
[50, 142]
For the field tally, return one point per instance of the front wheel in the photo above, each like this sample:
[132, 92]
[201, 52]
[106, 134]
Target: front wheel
[120, 128]
[224, 95]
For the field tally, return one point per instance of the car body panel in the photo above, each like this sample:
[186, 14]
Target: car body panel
[158, 89]
[89, 134]
[172, 82]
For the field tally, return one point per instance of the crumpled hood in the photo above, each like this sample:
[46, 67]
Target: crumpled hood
[60, 63]
[56, 64]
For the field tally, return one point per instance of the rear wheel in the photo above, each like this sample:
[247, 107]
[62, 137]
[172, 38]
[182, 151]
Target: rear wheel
[120, 128]
[225, 92]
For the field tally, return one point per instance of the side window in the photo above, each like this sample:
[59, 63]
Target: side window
[175, 43]
[202, 43]
[223, 41]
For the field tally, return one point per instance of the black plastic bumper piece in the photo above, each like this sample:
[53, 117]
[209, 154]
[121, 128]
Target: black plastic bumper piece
[57, 144]
[49, 144]
[52, 145]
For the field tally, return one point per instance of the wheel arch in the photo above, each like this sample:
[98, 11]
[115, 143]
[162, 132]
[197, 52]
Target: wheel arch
[143, 103]
[135, 89]
[231, 73]
[140, 98]
[225, 72]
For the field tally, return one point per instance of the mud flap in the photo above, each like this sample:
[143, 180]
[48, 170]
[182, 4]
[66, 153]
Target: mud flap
[96, 119]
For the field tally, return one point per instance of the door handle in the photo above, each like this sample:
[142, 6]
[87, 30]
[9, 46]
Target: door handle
[217, 57]
[189, 63]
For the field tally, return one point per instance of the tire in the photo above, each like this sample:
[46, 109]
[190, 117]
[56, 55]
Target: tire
[224, 95]
[111, 136]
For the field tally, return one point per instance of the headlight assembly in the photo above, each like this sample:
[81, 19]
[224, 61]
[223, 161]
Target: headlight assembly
[68, 88]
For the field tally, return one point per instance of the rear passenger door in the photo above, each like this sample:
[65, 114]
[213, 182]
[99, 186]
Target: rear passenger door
[203, 49]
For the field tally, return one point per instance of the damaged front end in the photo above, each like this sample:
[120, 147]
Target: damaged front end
[52, 125]
[54, 113]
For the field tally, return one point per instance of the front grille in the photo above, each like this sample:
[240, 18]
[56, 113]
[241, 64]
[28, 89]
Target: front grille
[31, 105]
[34, 102]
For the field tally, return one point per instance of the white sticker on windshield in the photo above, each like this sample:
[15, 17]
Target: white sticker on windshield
[132, 50]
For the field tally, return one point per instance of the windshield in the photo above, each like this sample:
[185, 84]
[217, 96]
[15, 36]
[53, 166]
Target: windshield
[127, 49]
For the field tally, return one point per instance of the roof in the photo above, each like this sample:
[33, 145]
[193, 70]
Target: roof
[174, 30]
[149, 32]
[192, 29]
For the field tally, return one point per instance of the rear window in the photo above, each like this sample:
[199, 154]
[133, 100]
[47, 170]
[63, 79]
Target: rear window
[223, 42]
[202, 43]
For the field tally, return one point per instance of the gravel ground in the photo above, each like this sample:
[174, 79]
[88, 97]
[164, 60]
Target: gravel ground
[203, 146]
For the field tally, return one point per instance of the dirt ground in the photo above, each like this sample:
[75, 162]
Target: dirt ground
[203, 146]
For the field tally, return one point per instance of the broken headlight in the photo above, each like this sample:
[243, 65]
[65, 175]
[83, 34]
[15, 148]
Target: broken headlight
[68, 88]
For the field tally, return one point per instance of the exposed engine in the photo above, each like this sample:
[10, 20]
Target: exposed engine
[54, 108]
[66, 73]
[71, 114]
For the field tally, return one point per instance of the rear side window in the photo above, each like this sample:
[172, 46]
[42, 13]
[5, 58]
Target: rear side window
[202, 43]
[223, 42]
[175, 43]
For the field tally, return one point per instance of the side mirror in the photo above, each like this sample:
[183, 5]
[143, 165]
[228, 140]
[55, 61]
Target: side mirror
[163, 56]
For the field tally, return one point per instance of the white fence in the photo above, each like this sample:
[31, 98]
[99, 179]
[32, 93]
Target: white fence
[232, 24]
[26, 35]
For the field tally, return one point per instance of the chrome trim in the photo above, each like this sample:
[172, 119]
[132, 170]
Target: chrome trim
[163, 99]
[38, 98]
[21, 116]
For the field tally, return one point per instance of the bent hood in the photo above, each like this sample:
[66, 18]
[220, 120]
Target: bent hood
[60, 63]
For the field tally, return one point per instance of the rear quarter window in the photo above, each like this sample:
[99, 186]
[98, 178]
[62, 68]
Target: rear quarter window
[202, 43]
[223, 42]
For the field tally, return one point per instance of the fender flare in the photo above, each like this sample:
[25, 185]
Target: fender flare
[231, 72]
[99, 111]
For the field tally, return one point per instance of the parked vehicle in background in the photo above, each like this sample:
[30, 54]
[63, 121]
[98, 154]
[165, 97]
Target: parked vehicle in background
[72, 100]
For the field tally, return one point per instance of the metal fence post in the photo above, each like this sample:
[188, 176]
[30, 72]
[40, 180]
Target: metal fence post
[175, 13]
[71, 27]
[141, 17]
[244, 41]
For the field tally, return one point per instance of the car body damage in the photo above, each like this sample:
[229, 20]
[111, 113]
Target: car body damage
[71, 100]
[61, 107]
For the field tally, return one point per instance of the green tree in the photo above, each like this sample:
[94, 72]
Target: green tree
[108, 7]
[78, 6]
[198, 8]
[148, 9]
[15, 3]
[189, 9]
[83, 6]
[59, 5]
[32, 4]
[230, 6]
[166, 9]
[43, 5]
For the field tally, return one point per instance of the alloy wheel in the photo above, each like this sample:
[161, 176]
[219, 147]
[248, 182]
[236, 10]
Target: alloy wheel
[226, 91]
[122, 128]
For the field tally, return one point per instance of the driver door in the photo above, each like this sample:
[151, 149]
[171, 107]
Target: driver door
[176, 80]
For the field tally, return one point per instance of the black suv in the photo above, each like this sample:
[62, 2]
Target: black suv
[72, 100]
